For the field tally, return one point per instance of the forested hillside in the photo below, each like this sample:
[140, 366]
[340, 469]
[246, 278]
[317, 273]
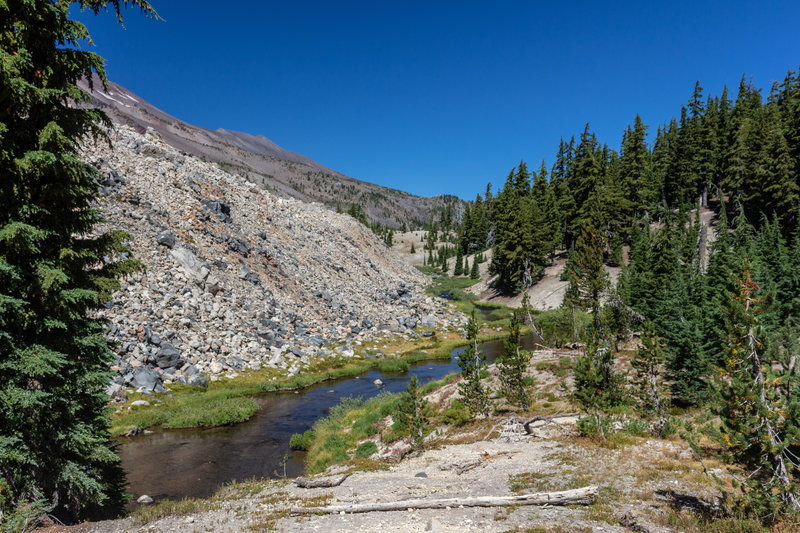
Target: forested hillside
[717, 304]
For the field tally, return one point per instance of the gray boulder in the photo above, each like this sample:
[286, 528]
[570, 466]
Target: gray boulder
[168, 356]
[166, 238]
[147, 378]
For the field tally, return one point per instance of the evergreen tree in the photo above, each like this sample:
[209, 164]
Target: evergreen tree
[55, 272]
[512, 366]
[459, 268]
[635, 167]
[411, 411]
[759, 411]
[648, 363]
[588, 278]
[597, 387]
[475, 272]
[471, 360]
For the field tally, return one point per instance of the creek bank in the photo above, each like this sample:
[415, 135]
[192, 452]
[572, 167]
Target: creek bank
[194, 463]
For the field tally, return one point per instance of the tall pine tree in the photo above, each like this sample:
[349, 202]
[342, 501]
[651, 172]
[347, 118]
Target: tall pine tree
[54, 270]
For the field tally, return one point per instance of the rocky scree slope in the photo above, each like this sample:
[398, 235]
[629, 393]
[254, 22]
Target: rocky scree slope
[265, 163]
[237, 278]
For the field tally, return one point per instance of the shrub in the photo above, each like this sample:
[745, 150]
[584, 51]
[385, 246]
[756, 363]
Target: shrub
[365, 449]
[301, 441]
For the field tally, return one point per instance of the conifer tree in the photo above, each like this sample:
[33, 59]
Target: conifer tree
[758, 408]
[474, 272]
[598, 387]
[411, 411]
[55, 272]
[471, 360]
[587, 277]
[512, 366]
[648, 363]
[459, 268]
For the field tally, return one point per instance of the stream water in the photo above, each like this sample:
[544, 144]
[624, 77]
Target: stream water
[173, 464]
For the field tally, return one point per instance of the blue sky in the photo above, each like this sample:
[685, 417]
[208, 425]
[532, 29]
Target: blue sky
[440, 97]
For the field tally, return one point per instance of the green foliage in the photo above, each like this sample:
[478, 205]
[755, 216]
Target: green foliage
[598, 388]
[456, 414]
[563, 325]
[357, 212]
[459, 268]
[473, 392]
[301, 441]
[512, 366]
[393, 364]
[759, 412]
[365, 449]
[648, 363]
[56, 271]
[474, 272]
[411, 411]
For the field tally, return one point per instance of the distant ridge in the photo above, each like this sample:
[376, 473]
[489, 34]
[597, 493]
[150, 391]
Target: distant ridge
[262, 161]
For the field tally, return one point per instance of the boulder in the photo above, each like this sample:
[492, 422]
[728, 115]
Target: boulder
[146, 378]
[168, 356]
[166, 238]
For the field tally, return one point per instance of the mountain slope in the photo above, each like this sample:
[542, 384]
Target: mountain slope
[237, 278]
[265, 163]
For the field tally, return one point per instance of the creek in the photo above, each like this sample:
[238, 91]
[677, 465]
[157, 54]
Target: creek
[180, 463]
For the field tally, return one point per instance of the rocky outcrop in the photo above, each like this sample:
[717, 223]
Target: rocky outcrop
[236, 278]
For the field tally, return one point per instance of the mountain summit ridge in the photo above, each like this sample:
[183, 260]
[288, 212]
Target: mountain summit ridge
[264, 162]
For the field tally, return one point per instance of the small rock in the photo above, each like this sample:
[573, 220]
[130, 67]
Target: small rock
[144, 499]
[166, 238]
[140, 402]
[420, 474]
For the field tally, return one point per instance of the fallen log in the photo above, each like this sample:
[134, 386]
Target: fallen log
[324, 483]
[582, 496]
[548, 419]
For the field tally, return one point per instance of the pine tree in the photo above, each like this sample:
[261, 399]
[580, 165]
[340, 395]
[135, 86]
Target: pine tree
[55, 272]
[475, 272]
[758, 408]
[471, 360]
[587, 277]
[411, 411]
[648, 363]
[459, 268]
[512, 366]
[597, 387]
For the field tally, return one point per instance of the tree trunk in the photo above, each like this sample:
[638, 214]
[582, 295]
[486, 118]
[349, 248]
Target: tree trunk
[305, 483]
[582, 496]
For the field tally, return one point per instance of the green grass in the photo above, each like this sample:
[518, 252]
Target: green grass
[393, 364]
[339, 437]
[229, 401]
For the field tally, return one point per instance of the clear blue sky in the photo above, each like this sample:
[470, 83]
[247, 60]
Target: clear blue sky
[440, 97]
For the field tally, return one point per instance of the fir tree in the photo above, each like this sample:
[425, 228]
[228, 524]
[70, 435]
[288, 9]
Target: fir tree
[648, 363]
[411, 411]
[471, 360]
[512, 366]
[459, 268]
[475, 272]
[588, 279]
[597, 387]
[55, 272]
[758, 408]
